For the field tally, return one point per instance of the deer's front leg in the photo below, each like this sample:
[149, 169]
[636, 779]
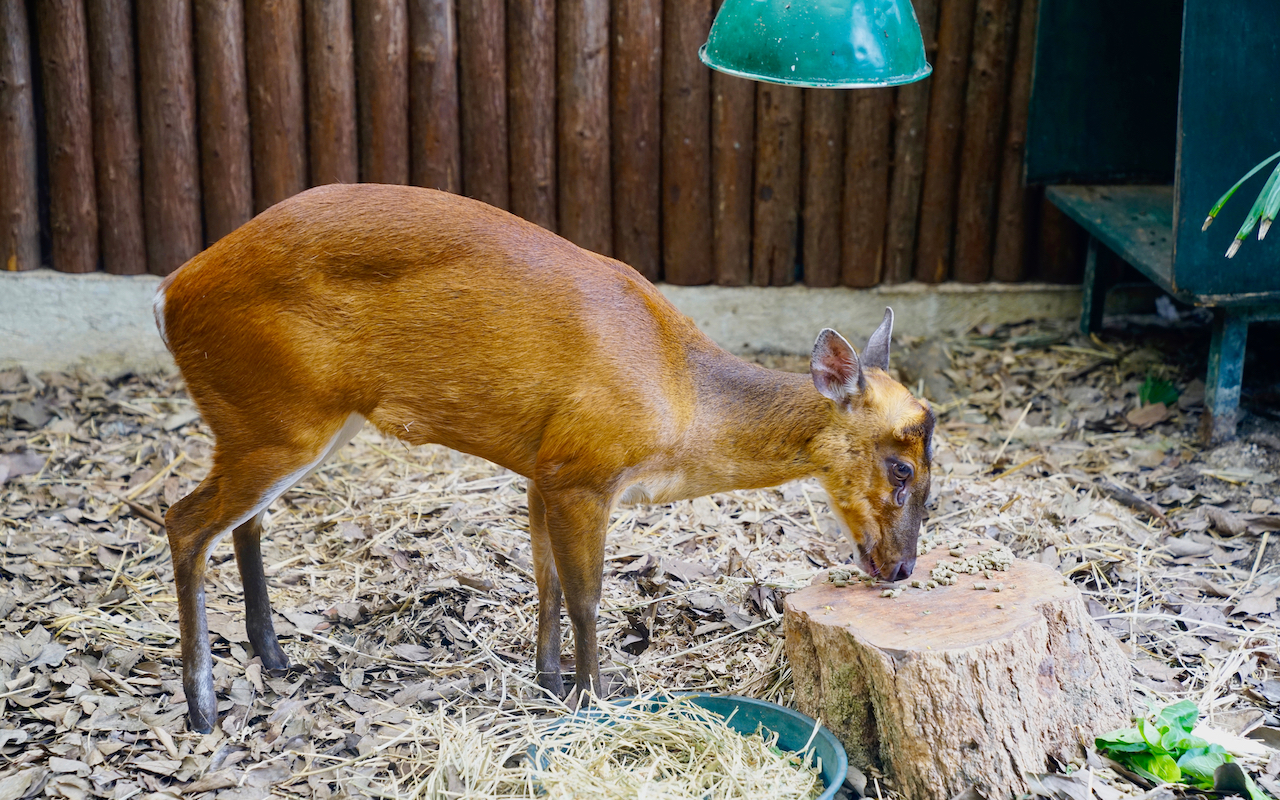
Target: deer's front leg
[576, 523]
[549, 596]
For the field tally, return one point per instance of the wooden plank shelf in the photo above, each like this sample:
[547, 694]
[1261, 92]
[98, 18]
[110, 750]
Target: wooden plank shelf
[1135, 222]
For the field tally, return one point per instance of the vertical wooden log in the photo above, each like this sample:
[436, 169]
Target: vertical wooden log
[331, 92]
[779, 130]
[19, 210]
[116, 148]
[733, 149]
[582, 54]
[980, 145]
[686, 144]
[942, 141]
[1008, 261]
[170, 159]
[868, 150]
[531, 104]
[483, 80]
[382, 68]
[637, 134]
[824, 111]
[225, 151]
[278, 130]
[911, 113]
[73, 212]
[1062, 246]
[435, 151]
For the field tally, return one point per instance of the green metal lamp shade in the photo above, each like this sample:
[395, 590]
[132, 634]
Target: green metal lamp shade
[837, 44]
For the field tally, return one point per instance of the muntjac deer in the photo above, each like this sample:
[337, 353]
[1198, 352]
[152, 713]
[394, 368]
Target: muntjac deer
[441, 319]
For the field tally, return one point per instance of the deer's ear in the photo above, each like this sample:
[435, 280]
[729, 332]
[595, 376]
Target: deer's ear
[877, 352]
[835, 368]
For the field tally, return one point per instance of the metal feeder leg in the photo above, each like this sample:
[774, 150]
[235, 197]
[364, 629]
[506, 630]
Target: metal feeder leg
[1226, 368]
[1096, 285]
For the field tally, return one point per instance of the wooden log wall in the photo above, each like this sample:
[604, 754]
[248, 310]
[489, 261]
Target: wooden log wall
[225, 149]
[116, 146]
[165, 124]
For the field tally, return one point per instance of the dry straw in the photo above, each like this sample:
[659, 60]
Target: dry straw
[675, 749]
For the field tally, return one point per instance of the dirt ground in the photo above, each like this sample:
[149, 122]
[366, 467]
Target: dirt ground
[403, 595]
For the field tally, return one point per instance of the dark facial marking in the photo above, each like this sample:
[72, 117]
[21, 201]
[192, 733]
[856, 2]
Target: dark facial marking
[923, 430]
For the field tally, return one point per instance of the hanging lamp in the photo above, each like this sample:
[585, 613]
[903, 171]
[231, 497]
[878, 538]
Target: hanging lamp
[835, 44]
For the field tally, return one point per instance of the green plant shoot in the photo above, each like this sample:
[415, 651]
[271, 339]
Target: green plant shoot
[1155, 390]
[1162, 749]
[1264, 209]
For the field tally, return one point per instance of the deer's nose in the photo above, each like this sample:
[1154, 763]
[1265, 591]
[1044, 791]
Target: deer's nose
[901, 570]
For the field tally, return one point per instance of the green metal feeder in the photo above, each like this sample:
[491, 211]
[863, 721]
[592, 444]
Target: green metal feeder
[833, 44]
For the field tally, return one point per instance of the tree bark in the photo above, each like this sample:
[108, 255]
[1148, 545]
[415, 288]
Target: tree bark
[482, 82]
[73, 212]
[637, 134]
[331, 92]
[225, 149]
[686, 144]
[531, 103]
[586, 195]
[19, 207]
[824, 111]
[278, 127]
[779, 130]
[382, 68]
[117, 148]
[170, 156]
[911, 115]
[983, 133]
[942, 141]
[868, 151]
[733, 161]
[435, 149]
[956, 688]
[1014, 206]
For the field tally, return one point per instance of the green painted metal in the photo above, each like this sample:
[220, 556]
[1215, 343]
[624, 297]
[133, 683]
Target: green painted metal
[1223, 378]
[1101, 112]
[1104, 98]
[1094, 297]
[836, 44]
[1135, 222]
[1228, 123]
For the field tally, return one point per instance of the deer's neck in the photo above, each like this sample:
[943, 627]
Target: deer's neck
[755, 426]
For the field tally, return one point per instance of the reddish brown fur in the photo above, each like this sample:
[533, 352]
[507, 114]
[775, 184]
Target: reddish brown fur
[441, 319]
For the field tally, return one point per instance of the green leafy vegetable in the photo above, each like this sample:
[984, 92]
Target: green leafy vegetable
[1162, 748]
[1154, 390]
[1198, 765]
[1156, 765]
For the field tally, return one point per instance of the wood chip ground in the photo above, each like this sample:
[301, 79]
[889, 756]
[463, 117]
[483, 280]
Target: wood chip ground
[401, 577]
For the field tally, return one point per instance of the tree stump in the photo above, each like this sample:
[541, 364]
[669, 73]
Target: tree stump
[955, 687]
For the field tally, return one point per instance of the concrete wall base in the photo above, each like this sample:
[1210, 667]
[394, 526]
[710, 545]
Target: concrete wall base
[52, 321]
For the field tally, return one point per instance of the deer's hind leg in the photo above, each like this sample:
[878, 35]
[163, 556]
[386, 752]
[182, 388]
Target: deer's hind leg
[243, 481]
[257, 605]
[247, 539]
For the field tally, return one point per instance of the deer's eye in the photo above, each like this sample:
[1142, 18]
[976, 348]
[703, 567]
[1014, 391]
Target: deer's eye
[902, 471]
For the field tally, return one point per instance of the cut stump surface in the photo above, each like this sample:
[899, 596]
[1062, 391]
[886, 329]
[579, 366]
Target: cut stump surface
[957, 687]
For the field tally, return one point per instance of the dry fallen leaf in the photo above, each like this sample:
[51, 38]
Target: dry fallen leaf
[1148, 415]
[1225, 521]
[1260, 601]
[431, 548]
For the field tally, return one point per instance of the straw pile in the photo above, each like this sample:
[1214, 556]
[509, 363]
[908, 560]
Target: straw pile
[676, 750]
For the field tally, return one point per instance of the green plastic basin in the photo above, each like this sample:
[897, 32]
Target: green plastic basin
[793, 728]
